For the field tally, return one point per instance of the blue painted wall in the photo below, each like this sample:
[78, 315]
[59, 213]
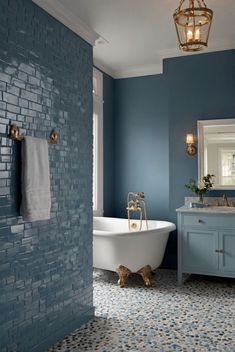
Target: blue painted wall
[45, 267]
[141, 143]
[152, 116]
[200, 87]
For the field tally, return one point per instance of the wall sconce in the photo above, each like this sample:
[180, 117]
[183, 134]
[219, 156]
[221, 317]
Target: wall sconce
[191, 149]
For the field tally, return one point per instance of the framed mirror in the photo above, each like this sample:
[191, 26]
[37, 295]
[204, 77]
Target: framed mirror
[216, 151]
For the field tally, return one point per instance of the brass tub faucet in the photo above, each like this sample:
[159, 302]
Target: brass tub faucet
[136, 203]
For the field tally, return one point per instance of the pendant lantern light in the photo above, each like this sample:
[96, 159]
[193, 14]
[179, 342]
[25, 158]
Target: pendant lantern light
[193, 22]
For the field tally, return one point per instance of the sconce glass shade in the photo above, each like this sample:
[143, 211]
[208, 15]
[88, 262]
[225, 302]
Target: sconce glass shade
[193, 23]
[191, 149]
[189, 138]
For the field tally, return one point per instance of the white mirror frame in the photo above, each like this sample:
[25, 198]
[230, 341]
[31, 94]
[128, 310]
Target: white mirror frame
[200, 130]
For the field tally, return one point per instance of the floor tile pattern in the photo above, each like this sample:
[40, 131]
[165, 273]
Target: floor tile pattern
[196, 317]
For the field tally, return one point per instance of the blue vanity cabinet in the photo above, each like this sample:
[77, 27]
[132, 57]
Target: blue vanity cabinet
[198, 248]
[227, 257]
[206, 243]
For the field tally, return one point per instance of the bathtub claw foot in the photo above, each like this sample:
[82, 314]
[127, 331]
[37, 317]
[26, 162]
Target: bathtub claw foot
[123, 274]
[146, 273]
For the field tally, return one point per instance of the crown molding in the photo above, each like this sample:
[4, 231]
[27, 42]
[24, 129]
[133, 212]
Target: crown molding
[62, 14]
[213, 47]
[103, 68]
[130, 72]
[139, 71]
[220, 46]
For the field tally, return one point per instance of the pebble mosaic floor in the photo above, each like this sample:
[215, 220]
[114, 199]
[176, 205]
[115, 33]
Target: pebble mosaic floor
[196, 317]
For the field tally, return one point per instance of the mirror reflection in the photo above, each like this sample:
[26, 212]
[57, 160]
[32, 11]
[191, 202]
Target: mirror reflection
[217, 151]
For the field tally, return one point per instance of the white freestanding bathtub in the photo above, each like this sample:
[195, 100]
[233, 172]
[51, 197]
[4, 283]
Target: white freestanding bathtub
[115, 245]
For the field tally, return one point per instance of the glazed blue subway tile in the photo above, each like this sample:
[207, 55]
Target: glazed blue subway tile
[3, 86]
[4, 174]
[10, 98]
[2, 105]
[23, 103]
[19, 83]
[13, 90]
[5, 77]
[4, 191]
[28, 112]
[2, 115]
[10, 70]
[28, 95]
[22, 76]
[2, 128]
[10, 116]
[13, 108]
[35, 106]
[5, 150]
[34, 81]
[34, 86]
[27, 68]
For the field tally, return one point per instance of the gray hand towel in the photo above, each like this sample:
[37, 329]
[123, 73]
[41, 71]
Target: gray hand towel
[36, 198]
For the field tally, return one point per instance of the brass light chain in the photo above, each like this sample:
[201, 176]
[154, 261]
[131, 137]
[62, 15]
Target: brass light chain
[180, 5]
[191, 4]
[201, 3]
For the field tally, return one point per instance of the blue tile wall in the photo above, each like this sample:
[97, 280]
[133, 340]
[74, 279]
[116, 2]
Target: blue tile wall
[46, 266]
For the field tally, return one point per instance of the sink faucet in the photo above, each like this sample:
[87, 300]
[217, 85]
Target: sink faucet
[225, 199]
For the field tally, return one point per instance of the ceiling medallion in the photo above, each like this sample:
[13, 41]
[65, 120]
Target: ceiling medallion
[193, 22]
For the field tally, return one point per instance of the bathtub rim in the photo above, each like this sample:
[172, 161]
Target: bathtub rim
[104, 233]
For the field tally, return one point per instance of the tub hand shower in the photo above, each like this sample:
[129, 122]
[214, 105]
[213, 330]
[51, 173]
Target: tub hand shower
[136, 203]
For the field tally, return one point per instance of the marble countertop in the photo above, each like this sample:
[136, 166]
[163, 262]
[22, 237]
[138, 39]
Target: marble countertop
[211, 209]
[213, 205]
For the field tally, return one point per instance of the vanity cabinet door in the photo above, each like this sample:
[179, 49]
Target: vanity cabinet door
[200, 251]
[227, 251]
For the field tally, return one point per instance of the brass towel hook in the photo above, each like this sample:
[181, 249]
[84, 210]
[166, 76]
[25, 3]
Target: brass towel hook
[15, 133]
[53, 137]
[17, 136]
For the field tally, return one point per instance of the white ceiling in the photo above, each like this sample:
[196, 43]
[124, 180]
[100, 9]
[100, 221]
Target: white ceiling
[133, 36]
